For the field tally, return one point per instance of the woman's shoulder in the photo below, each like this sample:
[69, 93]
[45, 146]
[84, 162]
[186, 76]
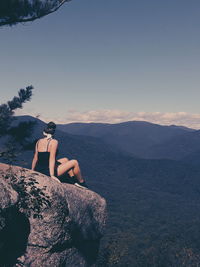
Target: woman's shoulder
[54, 141]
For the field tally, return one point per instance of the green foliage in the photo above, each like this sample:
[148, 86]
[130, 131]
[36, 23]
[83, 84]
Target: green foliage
[9, 153]
[14, 11]
[7, 110]
[22, 131]
[125, 251]
[114, 251]
[16, 136]
[32, 199]
[154, 213]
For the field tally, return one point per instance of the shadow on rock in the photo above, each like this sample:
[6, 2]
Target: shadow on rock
[13, 236]
[87, 248]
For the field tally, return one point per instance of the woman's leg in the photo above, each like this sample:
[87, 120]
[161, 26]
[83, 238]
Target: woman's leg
[64, 160]
[70, 165]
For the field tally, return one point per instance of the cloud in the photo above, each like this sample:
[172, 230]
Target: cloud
[117, 116]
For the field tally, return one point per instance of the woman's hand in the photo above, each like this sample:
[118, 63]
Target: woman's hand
[55, 178]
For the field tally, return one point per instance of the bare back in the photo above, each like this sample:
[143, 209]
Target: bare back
[45, 145]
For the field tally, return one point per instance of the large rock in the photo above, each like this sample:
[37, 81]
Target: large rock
[65, 233]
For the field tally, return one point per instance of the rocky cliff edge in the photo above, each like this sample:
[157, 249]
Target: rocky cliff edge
[46, 223]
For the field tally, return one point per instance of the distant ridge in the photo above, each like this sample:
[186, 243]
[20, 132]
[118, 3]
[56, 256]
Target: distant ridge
[139, 138]
[152, 203]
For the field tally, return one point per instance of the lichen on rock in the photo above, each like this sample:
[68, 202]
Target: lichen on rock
[67, 232]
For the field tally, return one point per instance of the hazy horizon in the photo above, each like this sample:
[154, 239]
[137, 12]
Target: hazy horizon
[109, 123]
[108, 61]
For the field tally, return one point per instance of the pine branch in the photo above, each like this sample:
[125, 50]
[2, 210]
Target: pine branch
[7, 110]
[12, 12]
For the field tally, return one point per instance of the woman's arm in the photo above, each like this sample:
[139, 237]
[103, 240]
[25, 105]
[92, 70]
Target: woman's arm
[35, 158]
[52, 158]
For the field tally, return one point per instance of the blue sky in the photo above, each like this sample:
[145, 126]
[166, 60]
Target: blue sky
[109, 61]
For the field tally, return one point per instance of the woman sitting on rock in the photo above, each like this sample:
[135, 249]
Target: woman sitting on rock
[44, 159]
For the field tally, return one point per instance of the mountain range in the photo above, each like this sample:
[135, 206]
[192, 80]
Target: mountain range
[143, 139]
[153, 204]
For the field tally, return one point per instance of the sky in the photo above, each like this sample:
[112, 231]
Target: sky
[107, 61]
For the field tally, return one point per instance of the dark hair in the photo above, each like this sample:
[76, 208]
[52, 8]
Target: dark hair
[50, 128]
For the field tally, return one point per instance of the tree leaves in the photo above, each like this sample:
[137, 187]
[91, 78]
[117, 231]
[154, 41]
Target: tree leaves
[15, 11]
[7, 110]
[16, 137]
[32, 199]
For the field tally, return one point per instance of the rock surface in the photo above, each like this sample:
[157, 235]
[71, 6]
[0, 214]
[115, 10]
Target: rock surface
[67, 234]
